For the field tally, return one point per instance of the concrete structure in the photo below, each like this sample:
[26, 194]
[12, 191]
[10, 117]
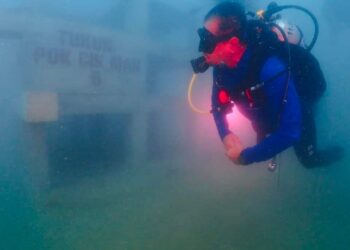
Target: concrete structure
[89, 96]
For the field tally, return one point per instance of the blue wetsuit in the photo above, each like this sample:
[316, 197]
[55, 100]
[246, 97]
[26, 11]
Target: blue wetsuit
[278, 125]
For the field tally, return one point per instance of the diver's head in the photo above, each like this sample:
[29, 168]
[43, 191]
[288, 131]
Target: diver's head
[221, 36]
[226, 20]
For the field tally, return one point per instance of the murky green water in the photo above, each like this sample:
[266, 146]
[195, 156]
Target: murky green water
[181, 206]
[184, 194]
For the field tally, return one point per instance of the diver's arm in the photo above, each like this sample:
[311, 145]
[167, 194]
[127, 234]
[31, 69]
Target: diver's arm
[219, 115]
[232, 143]
[288, 131]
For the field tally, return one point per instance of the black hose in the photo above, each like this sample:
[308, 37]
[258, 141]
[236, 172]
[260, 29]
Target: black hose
[284, 100]
[289, 63]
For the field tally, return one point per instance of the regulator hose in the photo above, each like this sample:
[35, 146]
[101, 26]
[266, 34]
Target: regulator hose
[189, 98]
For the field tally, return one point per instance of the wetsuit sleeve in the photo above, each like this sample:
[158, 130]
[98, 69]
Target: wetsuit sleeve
[219, 117]
[289, 124]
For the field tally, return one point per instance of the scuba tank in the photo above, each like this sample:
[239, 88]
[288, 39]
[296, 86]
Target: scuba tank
[290, 48]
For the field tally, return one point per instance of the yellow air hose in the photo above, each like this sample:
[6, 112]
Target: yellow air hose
[189, 97]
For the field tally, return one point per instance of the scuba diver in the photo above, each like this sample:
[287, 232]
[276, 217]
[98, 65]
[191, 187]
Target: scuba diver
[271, 77]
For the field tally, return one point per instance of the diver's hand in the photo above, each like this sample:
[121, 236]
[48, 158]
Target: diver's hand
[231, 140]
[234, 154]
[233, 146]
